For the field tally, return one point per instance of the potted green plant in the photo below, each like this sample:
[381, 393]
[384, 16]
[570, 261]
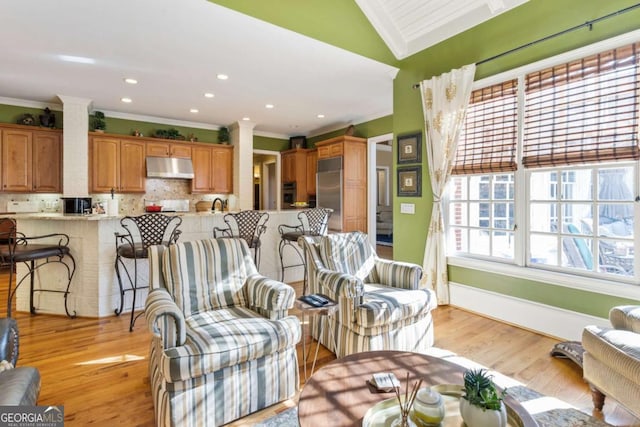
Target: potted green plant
[223, 135]
[482, 405]
[97, 122]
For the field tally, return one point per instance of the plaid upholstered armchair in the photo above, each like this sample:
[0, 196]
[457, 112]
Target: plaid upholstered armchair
[223, 345]
[381, 304]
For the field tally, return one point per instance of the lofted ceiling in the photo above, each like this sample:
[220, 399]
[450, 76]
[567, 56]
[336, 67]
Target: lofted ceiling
[409, 26]
[175, 49]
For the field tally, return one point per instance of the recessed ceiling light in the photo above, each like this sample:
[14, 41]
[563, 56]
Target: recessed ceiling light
[268, 106]
[131, 81]
[320, 116]
[127, 100]
[246, 119]
[193, 110]
[209, 95]
[78, 59]
[222, 77]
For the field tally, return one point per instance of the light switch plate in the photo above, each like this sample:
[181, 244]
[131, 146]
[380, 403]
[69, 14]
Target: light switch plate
[407, 208]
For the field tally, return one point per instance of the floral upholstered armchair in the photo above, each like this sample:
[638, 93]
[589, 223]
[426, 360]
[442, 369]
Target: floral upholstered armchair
[381, 304]
[223, 345]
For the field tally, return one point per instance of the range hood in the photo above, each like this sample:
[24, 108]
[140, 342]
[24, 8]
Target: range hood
[169, 167]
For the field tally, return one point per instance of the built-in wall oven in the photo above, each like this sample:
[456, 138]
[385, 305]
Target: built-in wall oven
[288, 195]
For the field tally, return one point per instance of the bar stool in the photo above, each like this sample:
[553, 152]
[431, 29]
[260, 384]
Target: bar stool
[15, 247]
[313, 222]
[248, 225]
[141, 232]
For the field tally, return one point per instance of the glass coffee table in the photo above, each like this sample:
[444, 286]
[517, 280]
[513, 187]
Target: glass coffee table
[339, 394]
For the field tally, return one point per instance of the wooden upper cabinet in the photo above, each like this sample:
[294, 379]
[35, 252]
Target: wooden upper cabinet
[288, 167]
[132, 167]
[105, 164]
[294, 169]
[17, 160]
[312, 168]
[201, 182]
[117, 164]
[222, 170]
[212, 168]
[181, 151]
[31, 160]
[47, 162]
[158, 149]
[168, 149]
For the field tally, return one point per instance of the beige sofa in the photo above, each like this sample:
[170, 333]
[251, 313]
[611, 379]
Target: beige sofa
[612, 359]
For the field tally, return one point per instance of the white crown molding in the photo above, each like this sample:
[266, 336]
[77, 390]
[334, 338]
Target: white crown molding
[356, 121]
[30, 104]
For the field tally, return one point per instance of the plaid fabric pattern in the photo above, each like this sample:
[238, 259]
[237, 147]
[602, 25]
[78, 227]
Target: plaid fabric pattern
[381, 306]
[223, 345]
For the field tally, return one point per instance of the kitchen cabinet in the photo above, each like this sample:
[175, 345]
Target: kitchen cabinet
[118, 164]
[31, 160]
[212, 168]
[294, 169]
[353, 205]
[168, 149]
[312, 167]
[47, 162]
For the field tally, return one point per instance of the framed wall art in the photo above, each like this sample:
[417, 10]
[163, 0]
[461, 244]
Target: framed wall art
[410, 181]
[410, 148]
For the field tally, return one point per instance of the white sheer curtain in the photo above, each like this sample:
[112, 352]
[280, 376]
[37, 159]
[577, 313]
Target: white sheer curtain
[444, 102]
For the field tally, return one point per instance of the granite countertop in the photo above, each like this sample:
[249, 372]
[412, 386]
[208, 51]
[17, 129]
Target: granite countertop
[98, 217]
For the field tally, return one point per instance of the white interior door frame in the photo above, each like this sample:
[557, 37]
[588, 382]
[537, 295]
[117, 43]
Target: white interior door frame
[372, 197]
[278, 171]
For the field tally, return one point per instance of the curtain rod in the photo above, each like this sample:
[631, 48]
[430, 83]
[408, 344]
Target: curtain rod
[551, 36]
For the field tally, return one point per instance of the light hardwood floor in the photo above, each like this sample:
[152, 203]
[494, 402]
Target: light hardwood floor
[98, 370]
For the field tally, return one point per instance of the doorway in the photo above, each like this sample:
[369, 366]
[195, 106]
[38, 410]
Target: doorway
[266, 175]
[380, 174]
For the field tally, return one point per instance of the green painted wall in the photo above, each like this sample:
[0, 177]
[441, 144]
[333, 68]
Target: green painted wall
[11, 114]
[380, 126]
[128, 127]
[337, 22]
[267, 143]
[533, 20]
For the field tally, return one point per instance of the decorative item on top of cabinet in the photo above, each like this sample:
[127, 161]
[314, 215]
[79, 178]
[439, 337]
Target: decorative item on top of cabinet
[223, 135]
[27, 120]
[97, 121]
[48, 119]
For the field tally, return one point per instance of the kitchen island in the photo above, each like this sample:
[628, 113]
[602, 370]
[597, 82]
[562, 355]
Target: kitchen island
[94, 290]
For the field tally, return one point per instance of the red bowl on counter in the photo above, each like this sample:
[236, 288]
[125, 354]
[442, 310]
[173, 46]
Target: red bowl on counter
[152, 208]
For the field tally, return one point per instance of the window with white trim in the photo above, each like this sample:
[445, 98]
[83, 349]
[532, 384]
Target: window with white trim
[561, 142]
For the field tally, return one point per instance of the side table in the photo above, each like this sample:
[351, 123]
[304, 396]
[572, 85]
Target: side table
[310, 311]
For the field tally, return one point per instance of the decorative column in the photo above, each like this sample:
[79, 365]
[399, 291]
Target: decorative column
[75, 146]
[241, 136]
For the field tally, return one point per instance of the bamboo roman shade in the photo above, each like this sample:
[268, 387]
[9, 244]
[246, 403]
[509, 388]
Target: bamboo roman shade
[583, 111]
[488, 140]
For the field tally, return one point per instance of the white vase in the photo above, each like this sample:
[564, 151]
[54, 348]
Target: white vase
[474, 416]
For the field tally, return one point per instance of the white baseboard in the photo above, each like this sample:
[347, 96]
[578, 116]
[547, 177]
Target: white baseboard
[546, 319]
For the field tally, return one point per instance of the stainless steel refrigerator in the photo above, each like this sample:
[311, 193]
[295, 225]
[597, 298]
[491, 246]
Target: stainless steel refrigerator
[329, 190]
